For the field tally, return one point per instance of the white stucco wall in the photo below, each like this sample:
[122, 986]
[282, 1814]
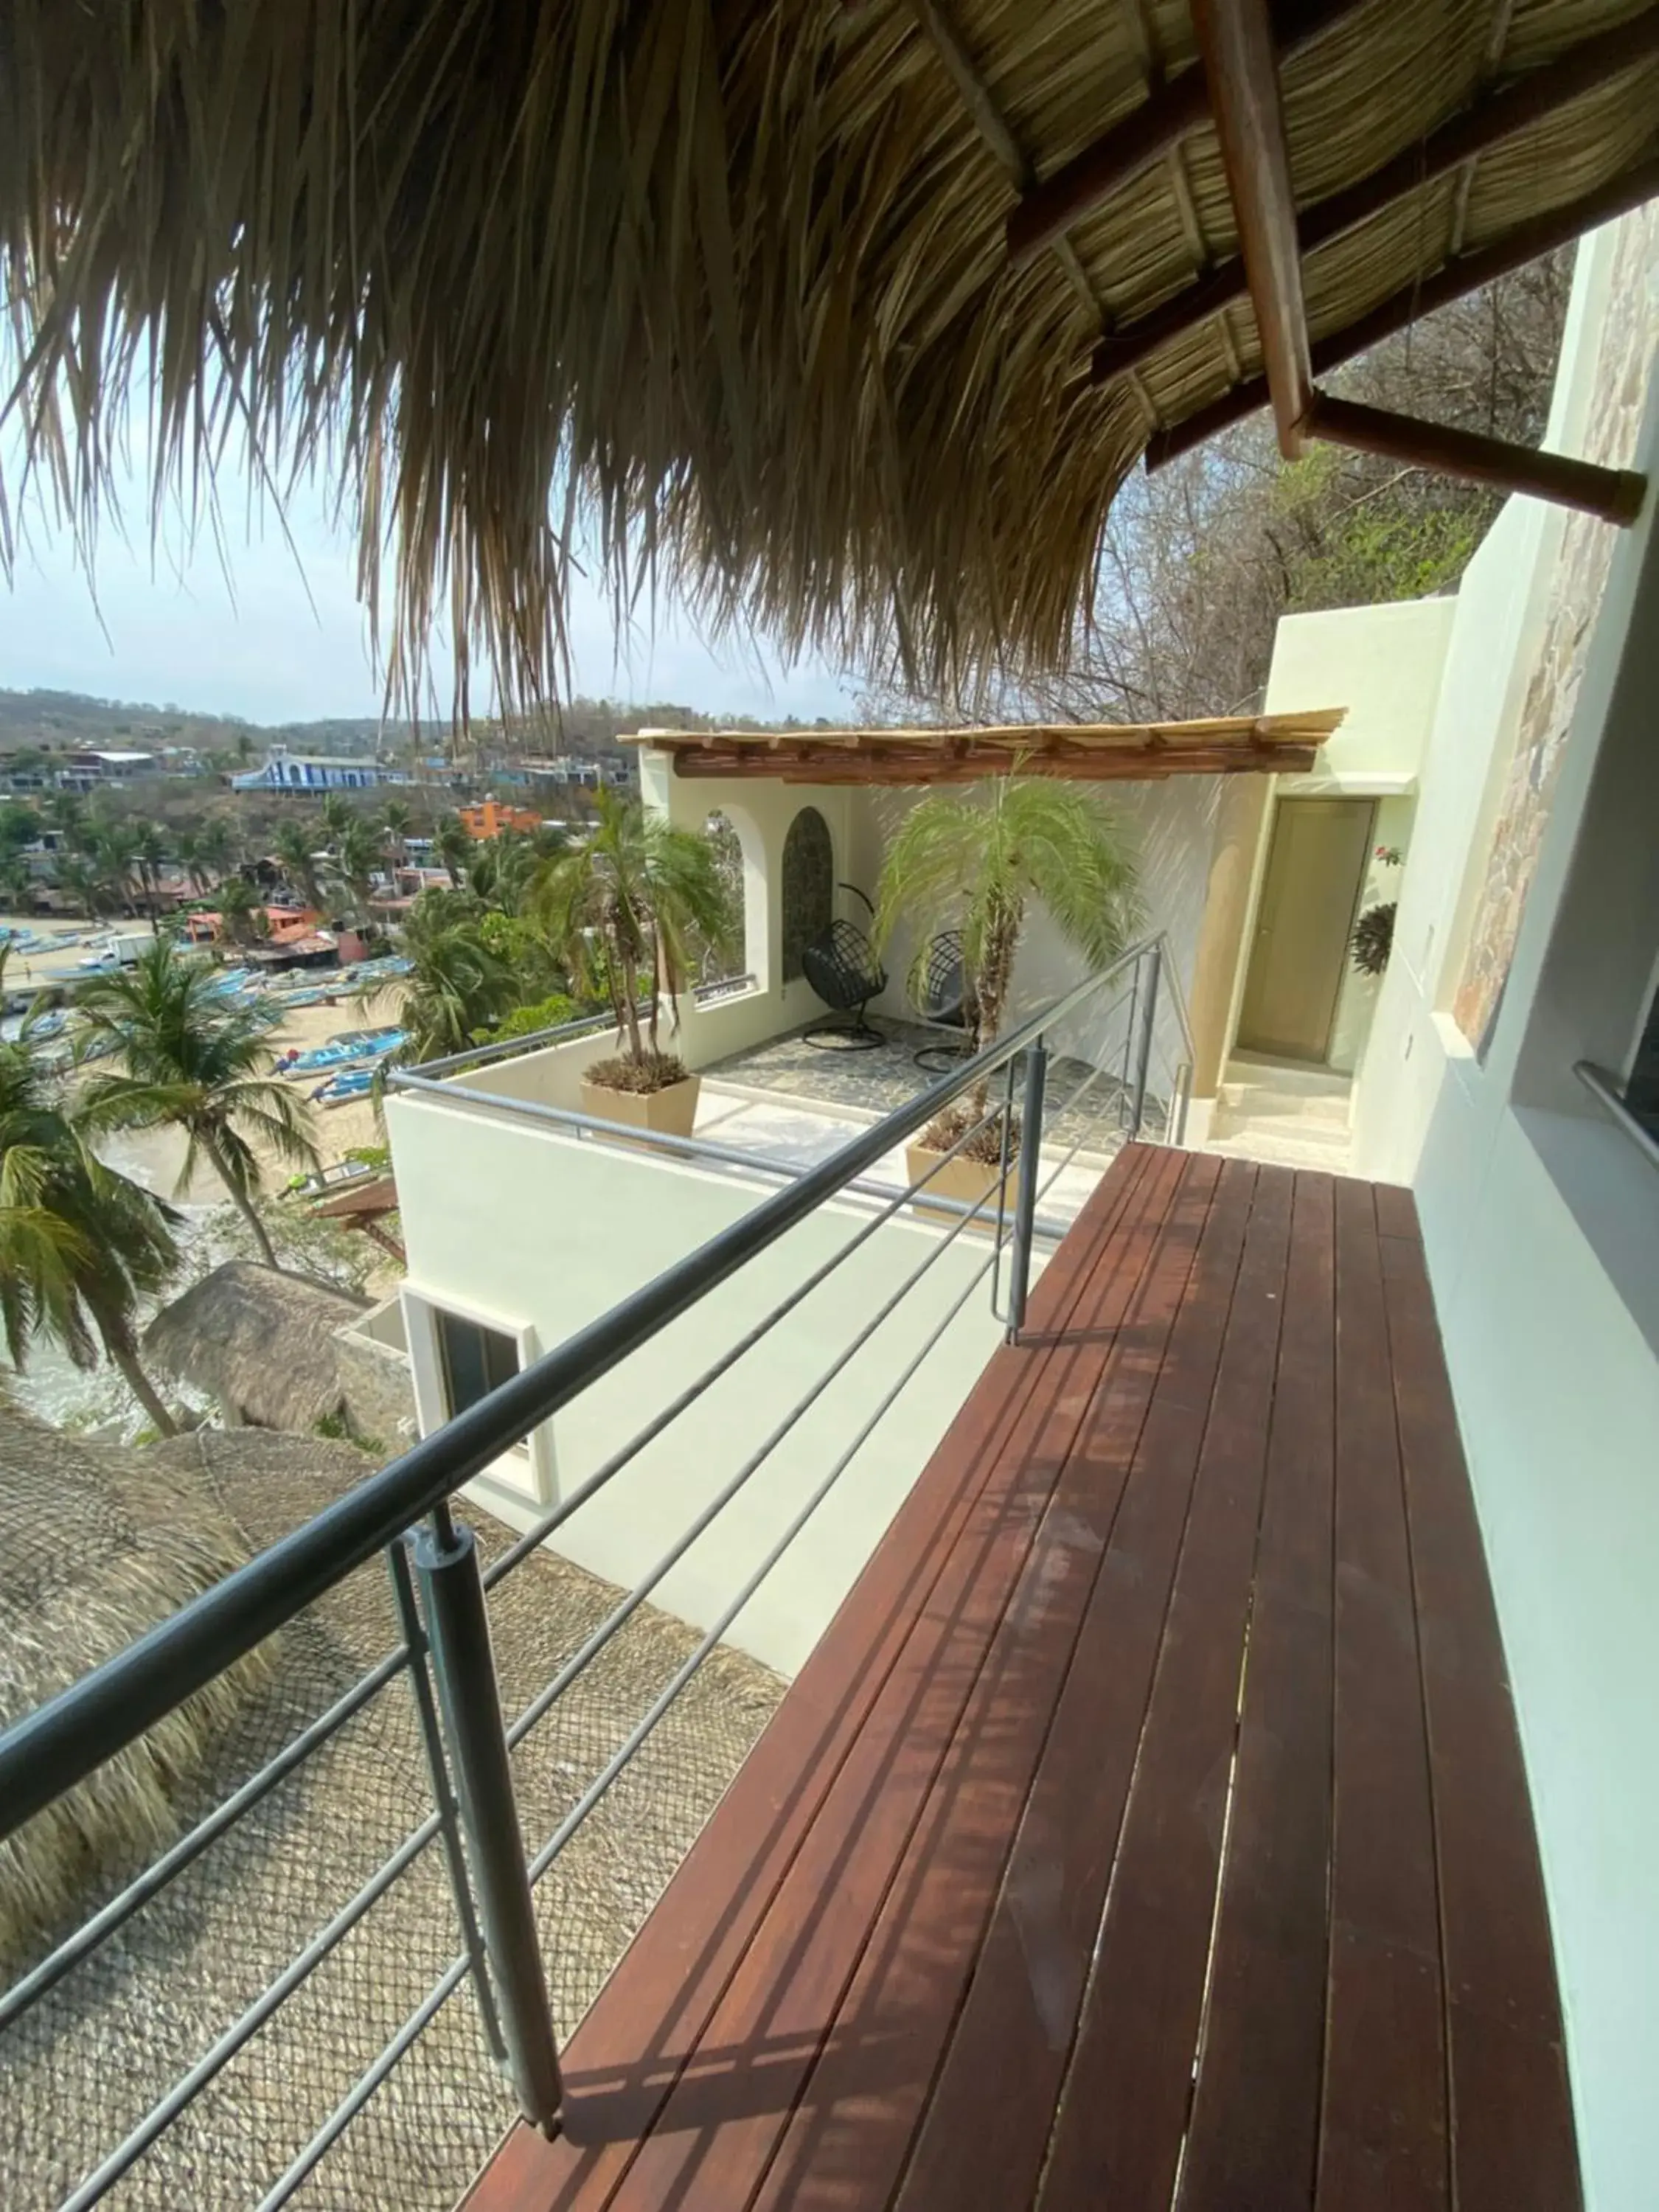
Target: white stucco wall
[1542, 1233]
[1383, 664]
[1168, 824]
[538, 1235]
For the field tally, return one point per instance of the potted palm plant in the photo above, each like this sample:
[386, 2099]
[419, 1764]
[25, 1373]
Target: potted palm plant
[972, 861]
[624, 909]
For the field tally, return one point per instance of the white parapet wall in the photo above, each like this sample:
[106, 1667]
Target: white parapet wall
[512, 1225]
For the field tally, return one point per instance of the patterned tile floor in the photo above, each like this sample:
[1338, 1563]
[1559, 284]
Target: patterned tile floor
[885, 1076]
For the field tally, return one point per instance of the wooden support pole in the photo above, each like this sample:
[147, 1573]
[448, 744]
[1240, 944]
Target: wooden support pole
[1501, 116]
[1048, 209]
[1614, 493]
[1236, 39]
[1453, 280]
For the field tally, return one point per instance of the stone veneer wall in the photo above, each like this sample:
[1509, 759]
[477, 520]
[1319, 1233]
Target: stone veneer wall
[1629, 338]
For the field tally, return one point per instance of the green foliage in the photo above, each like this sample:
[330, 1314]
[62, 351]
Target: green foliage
[629, 910]
[339, 1429]
[523, 946]
[79, 1243]
[1377, 550]
[378, 1157]
[191, 1061]
[1373, 939]
[456, 987]
[971, 861]
[550, 1013]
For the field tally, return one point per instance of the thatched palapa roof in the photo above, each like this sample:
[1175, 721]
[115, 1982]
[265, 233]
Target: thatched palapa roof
[102, 1544]
[261, 1341]
[851, 315]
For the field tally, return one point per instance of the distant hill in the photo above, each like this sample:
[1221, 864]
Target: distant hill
[66, 721]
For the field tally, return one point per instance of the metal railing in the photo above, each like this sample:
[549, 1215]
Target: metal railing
[441, 1590]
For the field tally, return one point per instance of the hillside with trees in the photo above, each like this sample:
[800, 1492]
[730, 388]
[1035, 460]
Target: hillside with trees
[1199, 559]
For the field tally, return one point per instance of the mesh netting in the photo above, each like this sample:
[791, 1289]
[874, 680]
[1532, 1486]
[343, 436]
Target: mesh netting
[83, 2066]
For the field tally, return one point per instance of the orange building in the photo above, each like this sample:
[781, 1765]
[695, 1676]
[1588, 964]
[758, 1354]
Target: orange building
[490, 818]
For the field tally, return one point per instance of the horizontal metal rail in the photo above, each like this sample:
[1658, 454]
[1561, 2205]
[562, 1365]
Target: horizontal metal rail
[568, 1120]
[1605, 1089]
[57, 1746]
[479, 1055]
[172, 1862]
[54, 1748]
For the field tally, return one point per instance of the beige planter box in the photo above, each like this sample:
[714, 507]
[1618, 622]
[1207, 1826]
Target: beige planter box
[965, 1181]
[670, 1113]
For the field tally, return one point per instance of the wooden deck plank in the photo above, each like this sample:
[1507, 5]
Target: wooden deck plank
[846, 2141]
[1504, 2018]
[712, 2139]
[988, 2120]
[1382, 2139]
[969, 1930]
[639, 2036]
[1124, 2105]
[1254, 2134]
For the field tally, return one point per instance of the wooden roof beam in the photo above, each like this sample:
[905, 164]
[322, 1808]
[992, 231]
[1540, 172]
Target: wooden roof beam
[1501, 116]
[1115, 764]
[1455, 280]
[1615, 494]
[1048, 210]
[1236, 39]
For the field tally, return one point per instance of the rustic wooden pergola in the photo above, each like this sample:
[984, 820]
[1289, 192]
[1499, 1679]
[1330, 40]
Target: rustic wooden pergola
[1091, 752]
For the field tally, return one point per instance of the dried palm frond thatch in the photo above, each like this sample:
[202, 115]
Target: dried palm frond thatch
[261, 1341]
[726, 277]
[101, 1544]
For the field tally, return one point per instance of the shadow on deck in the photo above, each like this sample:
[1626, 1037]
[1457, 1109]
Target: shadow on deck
[1150, 1825]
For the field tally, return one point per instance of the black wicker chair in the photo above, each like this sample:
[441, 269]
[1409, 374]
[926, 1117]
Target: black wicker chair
[842, 968]
[943, 997]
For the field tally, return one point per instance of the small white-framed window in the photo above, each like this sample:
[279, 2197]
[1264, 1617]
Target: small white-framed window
[472, 1361]
[457, 1355]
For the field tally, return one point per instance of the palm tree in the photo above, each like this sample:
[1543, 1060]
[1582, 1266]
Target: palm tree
[188, 849]
[972, 862]
[624, 909]
[66, 811]
[356, 856]
[338, 813]
[191, 1061]
[456, 987]
[115, 854]
[241, 913]
[396, 821]
[453, 845]
[216, 848]
[149, 851]
[79, 880]
[293, 846]
[79, 1243]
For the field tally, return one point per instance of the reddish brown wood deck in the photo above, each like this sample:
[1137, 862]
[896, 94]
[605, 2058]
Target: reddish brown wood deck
[1149, 1827]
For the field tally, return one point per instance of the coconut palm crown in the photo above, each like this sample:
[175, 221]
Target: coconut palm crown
[624, 909]
[973, 860]
[197, 1062]
[79, 1243]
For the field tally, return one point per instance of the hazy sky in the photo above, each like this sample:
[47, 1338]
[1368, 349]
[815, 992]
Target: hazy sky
[173, 630]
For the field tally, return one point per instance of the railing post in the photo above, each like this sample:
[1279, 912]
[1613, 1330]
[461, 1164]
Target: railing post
[1143, 1060]
[458, 1630]
[443, 1795]
[1031, 1136]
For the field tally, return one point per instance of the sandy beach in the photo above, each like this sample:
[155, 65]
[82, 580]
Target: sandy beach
[155, 1155]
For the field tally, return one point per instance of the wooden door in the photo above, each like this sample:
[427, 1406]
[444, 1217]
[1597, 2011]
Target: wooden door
[1315, 867]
